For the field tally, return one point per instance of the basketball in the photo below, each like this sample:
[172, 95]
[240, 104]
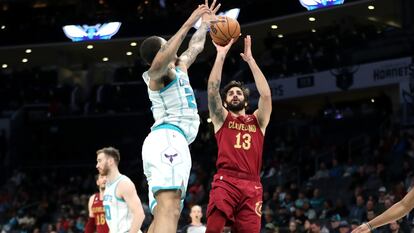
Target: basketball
[223, 32]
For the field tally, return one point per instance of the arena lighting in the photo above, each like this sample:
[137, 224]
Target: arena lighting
[370, 7]
[24, 60]
[280, 35]
[312, 19]
[4, 66]
[313, 30]
[97, 32]
[233, 13]
[3, 27]
[28, 51]
[105, 59]
[133, 44]
[89, 46]
[316, 4]
[128, 53]
[274, 26]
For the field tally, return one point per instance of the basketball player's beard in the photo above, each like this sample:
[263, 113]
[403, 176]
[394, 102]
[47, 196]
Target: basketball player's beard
[105, 170]
[236, 107]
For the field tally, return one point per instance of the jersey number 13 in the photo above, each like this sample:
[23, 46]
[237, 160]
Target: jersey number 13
[243, 141]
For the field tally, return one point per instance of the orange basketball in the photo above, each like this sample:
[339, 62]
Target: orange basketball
[223, 32]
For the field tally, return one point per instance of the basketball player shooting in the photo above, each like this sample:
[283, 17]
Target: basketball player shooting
[236, 191]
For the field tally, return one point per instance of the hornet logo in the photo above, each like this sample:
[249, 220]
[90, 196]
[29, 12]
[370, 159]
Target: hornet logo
[86, 32]
[316, 4]
[344, 77]
[170, 157]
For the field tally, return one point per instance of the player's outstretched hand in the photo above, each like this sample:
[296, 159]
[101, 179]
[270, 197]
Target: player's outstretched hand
[247, 54]
[363, 228]
[199, 12]
[211, 16]
[223, 49]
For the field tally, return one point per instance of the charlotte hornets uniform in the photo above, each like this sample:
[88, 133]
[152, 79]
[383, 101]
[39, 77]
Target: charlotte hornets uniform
[165, 153]
[117, 215]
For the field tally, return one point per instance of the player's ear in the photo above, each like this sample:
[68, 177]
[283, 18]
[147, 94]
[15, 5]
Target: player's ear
[111, 160]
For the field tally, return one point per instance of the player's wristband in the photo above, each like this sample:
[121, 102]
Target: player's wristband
[369, 226]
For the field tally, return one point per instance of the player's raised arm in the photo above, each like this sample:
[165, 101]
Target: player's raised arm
[215, 105]
[198, 39]
[265, 101]
[168, 51]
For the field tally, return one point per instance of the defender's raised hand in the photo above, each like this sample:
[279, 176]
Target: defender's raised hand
[211, 16]
[199, 12]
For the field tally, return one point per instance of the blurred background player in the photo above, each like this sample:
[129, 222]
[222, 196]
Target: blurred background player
[96, 221]
[165, 152]
[123, 209]
[236, 193]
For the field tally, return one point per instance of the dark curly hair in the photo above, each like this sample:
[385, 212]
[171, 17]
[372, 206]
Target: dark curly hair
[234, 83]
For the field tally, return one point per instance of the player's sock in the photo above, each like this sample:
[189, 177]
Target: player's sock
[216, 221]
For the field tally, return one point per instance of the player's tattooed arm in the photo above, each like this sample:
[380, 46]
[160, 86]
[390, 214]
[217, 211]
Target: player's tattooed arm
[195, 47]
[214, 101]
[198, 39]
[217, 112]
[168, 51]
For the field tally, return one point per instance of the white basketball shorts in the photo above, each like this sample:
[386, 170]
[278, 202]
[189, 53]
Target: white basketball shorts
[166, 161]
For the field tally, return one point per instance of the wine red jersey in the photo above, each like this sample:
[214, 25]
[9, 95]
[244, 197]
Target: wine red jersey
[99, 214]
[240, 145]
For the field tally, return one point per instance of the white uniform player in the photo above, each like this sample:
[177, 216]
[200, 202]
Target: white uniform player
[175, 104]
[123, 209]
[117, 214]
[165, 153]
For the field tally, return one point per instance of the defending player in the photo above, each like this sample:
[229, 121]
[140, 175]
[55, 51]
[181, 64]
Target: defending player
[165, 152]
